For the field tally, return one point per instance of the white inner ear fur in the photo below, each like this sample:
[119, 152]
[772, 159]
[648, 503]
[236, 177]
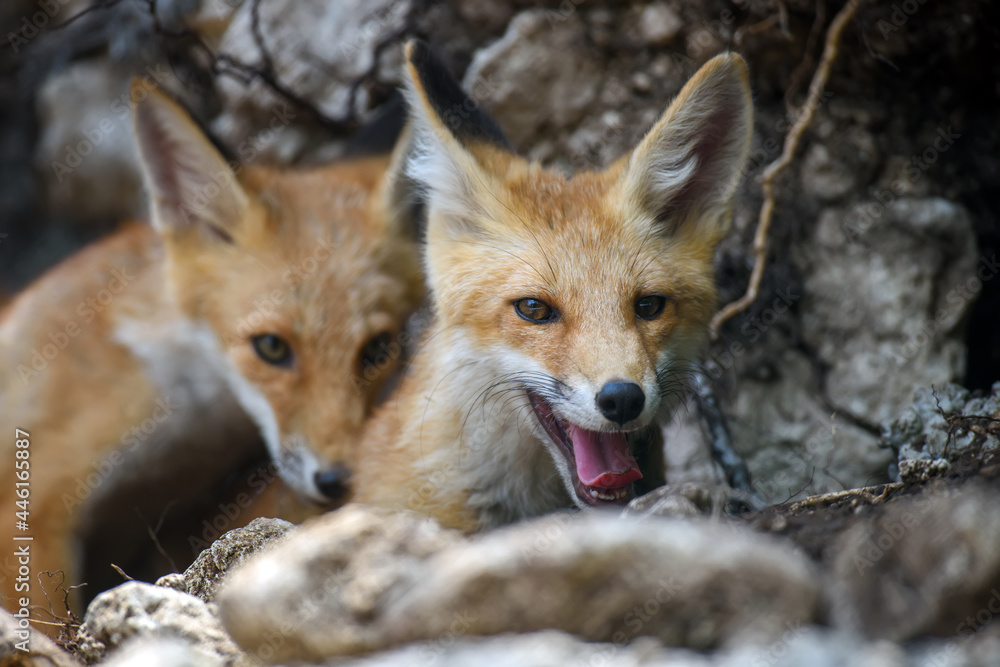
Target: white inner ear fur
[441, 166]
[699, 146]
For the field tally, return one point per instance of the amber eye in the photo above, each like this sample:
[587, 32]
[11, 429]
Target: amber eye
[650, 307]
[535, 311]
[376, 350]
[275, 350]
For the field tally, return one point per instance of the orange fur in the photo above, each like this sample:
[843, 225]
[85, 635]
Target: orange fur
[153, 327]
[460, 440]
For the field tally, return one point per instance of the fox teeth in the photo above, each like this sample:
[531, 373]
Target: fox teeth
[609, 494]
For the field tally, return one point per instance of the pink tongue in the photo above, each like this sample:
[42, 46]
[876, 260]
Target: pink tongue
[603, 459]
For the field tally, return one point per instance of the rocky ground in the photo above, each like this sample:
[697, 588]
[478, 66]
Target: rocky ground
[869, 536]
[905, 573]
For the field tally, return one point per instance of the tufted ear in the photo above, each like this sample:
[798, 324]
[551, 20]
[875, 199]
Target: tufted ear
[451, 134]
[687, 168]
[189, 182]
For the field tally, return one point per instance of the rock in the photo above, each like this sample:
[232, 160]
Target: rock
[923, 565]
[362, 579]
[174, 580]
[941, 426]
[608, 579]
[136, 609]
[517, 80]
[85, 153]
[879, 300]
[837, 168]
[659, 24]
[204, 575]
[41, 651]
[317, 50]
[538, 649]
[793, 443]
[161, 652]
[319, 591]
[687, 500]
[797, 646]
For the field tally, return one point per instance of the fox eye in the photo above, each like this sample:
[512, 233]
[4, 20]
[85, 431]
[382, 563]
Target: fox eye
[375, 350]
[535, 310]
[650, 307]
[275, 350]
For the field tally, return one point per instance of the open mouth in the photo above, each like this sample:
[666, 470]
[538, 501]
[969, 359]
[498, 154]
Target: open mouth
[603, 467]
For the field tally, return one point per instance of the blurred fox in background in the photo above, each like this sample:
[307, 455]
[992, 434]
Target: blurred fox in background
[150, 365]
[567, 310]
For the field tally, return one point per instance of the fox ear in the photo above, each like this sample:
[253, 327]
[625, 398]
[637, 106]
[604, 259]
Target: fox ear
[402, 196]
[688, 166]
[448, 128]
[189, 182]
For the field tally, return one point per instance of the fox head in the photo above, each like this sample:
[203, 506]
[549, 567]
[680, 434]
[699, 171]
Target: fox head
[590, 296]
[301, 280]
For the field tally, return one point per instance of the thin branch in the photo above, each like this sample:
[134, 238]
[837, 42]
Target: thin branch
[804, 119]
[153, 534]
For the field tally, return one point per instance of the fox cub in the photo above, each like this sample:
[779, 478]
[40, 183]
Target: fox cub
[567, 310]
[249, 310]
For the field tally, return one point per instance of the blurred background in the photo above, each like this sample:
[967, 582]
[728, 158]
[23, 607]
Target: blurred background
[882, 267]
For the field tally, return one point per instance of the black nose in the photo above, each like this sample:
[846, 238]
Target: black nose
[333, 482]
[621, 401]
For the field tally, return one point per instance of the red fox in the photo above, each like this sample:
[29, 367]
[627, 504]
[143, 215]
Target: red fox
[567, 310]
[141, 367]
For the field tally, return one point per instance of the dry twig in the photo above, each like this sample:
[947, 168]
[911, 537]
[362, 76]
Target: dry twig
[802, 122]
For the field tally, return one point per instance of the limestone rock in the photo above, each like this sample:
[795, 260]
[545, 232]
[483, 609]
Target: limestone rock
[319, 592]
[798, 646]
[793, 444]
[834, 169]
[942, 425]
[688, 500]
[85, 153]
[538, 649]
[608, 579]
[518, 82]
[926, 565]
[204, 575]
[137, 609]
[880, 302]
[161, 652]
[659, 24]
[317, 50]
